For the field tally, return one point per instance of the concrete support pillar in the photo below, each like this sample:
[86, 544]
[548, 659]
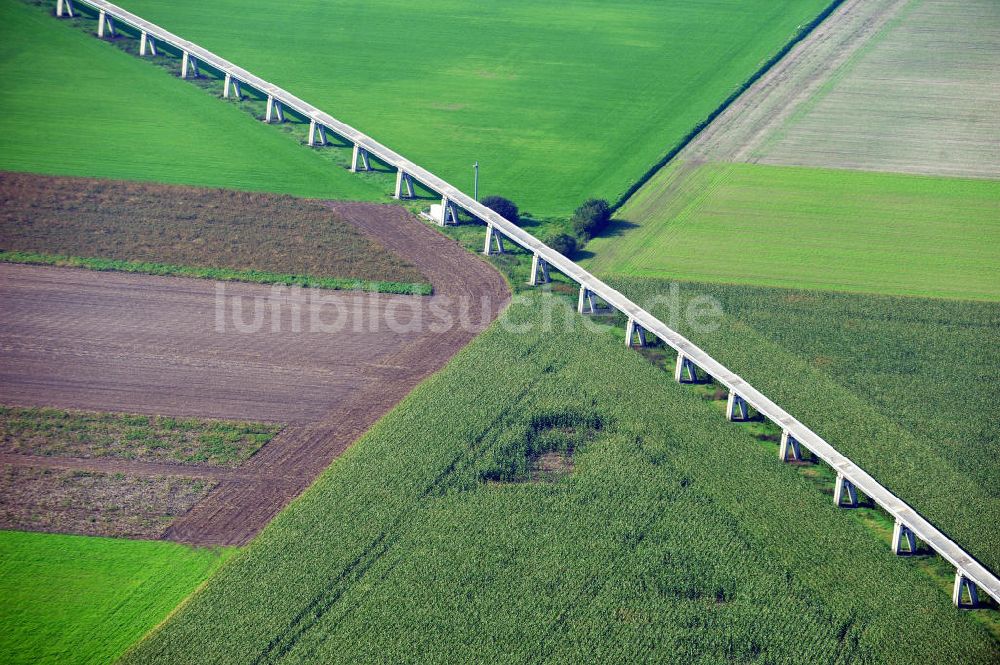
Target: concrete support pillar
[404, 181]
[736, 408]
[845, 495]
[493, 239]
[449, 214]
[188, 65]
[964, 587]
[64, 8]
[146, 43]
[539, 271]
[587, 302]
[233, 85]
[685, 371]
[104, 24]
[274, 110]
[360, 157]
[634, 332]
[317, 133]
[789, 444]
[903, 540]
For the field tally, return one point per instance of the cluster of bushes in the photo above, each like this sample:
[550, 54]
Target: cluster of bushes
[589, 220]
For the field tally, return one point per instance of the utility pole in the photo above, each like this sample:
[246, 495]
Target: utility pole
[475, 168]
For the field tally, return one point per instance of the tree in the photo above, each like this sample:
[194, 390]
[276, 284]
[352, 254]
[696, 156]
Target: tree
[591, 218]
[503, 207]
[563, 243]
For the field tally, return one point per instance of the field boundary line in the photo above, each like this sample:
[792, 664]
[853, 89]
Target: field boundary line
[970, 573]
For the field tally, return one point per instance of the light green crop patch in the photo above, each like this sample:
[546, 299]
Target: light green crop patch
[79, 599]
[811, 228]
[72, 105]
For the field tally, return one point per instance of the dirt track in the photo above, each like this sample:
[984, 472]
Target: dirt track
[74, 338]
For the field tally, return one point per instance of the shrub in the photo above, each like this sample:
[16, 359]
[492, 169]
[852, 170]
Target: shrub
[503, 207]
[563, 243]
[591, 218]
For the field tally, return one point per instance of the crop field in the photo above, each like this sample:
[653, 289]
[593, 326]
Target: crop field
[810, 228]
[903, 386]
[534, 116]
[224, 234]
[446, 547]
[906, 86]
[74, 106]
[516, 485]
[71, 599]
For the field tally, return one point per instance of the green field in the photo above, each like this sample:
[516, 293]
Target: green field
[903, 386]
[678, 536]
[74, 599]
[810, 228]
[525, 88]
[72, 105]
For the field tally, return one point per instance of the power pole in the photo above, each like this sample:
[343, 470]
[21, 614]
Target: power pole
[475, 168]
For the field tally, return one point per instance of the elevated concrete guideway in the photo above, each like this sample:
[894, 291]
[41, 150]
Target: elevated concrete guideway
[970, 574]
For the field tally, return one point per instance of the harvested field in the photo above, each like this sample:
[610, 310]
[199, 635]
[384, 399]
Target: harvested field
[94, 503]
[85, 340]
[52, 432]
[191, 226]
[887, 85]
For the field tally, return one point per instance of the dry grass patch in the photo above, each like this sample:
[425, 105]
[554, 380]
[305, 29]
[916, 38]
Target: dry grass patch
[94, 504]
[53, 432]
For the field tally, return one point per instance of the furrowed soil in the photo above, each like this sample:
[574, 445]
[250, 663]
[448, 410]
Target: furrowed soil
[86, 340]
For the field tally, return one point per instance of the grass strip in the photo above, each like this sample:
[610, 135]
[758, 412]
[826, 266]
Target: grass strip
[221, 274]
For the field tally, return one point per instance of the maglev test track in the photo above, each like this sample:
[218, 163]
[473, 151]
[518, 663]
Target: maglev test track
[970, 574]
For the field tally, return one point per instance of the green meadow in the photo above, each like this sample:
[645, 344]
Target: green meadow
[810, 228]
[71, 105]
[78, 599]
[557, 102]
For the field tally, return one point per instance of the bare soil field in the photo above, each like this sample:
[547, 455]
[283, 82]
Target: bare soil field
[909, 86]
[109, 341]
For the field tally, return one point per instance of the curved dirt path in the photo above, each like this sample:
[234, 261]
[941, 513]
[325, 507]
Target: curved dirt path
[110, 341]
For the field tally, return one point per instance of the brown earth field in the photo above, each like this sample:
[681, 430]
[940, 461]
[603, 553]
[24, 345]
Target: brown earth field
[326, 363]
[191, 226]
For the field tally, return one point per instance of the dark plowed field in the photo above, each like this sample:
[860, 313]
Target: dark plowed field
[108, 341]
